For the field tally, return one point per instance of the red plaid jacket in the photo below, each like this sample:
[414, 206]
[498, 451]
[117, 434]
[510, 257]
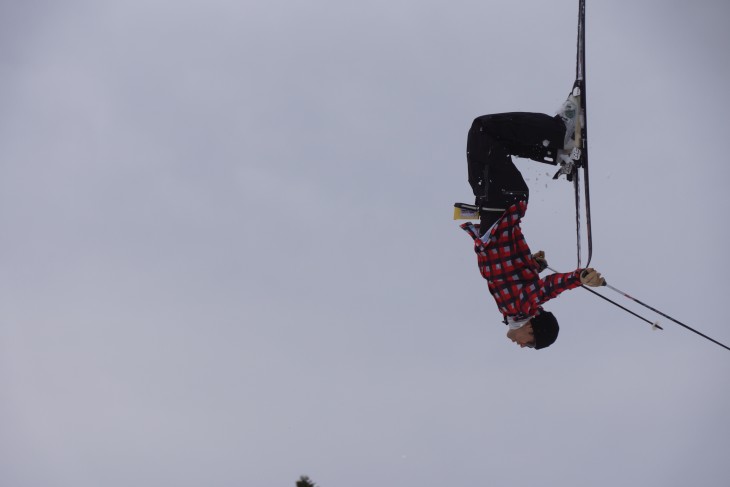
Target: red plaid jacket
[506, 262]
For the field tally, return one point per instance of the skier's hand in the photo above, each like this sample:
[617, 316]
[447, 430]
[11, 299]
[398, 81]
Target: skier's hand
[540, 259]
[592, 278]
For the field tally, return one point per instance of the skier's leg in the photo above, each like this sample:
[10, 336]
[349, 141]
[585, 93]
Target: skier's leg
[494, 179]
[535, 136]
[493, 138]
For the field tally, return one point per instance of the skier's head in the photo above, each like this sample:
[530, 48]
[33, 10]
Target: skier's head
[545, 329]
[540, 332]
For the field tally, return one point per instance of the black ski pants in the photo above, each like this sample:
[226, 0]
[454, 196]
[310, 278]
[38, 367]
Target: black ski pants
[494, 138]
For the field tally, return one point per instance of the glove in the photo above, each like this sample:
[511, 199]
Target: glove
[592, 278]
[540, 259]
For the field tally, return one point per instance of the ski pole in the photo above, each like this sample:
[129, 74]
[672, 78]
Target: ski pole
[654, 325]
[665, 315]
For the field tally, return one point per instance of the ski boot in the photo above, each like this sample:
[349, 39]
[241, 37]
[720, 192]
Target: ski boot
[569, 156]
[569, 163]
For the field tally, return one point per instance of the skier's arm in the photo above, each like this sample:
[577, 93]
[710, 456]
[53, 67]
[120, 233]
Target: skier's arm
[554, 284]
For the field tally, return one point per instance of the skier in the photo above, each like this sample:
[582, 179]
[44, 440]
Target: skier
[504, 259]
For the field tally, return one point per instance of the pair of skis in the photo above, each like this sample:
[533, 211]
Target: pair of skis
[466, 211]
[581, 140]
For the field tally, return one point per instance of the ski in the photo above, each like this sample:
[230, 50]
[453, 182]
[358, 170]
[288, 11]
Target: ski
[581, 140]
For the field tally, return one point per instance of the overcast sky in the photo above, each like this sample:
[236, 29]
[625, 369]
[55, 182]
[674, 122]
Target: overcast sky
[228, 259]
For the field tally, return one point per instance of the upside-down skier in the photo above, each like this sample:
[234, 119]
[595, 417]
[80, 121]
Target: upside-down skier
[504, 259]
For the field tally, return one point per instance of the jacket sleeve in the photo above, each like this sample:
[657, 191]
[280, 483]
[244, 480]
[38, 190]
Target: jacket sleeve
[554, 284]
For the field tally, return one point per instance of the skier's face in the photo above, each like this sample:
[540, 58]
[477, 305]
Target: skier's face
[522, 336]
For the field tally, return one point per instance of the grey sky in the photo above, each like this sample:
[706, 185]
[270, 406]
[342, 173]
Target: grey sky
[228, 255]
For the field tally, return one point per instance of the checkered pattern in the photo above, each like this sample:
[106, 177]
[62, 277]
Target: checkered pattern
[506, 262]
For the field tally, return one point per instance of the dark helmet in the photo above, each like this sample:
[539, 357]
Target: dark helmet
[545, 329]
